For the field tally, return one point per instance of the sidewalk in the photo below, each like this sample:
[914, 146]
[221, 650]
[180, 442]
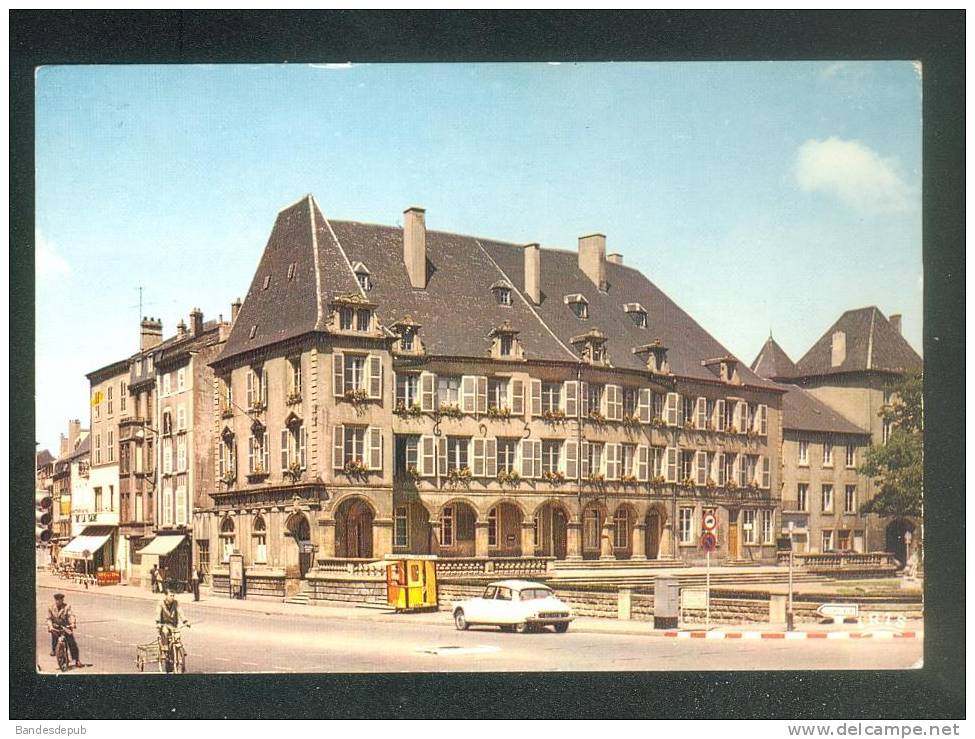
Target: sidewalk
[366, 613]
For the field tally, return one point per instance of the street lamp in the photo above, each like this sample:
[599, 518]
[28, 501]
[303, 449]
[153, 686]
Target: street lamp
[789, 618]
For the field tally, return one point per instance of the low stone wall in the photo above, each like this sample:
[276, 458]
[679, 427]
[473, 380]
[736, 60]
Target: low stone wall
[261, 585]
[346, 590]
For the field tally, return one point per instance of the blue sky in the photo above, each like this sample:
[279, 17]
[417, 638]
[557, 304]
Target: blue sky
[759, 196]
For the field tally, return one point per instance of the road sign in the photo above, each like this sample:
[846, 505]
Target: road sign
[842, 611]
[709, 522]
[709, 542]
[693, 598]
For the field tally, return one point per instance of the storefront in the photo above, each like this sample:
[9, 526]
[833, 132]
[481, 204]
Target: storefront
[92, 551]
[170, 553]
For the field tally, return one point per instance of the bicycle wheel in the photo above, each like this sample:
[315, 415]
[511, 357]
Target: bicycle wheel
[62, 655]
[179, 659]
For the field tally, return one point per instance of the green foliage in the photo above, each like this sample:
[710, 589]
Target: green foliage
[898, 465]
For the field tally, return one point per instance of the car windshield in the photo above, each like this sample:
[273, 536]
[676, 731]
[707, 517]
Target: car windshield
[535, 593]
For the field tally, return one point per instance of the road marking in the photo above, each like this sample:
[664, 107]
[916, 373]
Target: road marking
[250, 664]
[221, 659]
[714, 635]
[683, 634]
[278, 667]
[838, 635]
[449, 650]
[752, 635]
[795, 635]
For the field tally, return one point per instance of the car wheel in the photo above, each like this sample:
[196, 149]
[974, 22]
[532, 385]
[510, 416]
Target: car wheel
[507, 628]
[561, 628]
[459, 620]
[521, 628]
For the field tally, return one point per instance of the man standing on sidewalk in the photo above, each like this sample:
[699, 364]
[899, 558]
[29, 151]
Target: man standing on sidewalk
[195, 583]
[154, 578]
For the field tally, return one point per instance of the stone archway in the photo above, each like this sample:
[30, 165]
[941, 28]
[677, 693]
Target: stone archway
[593, 519]
[504, 530]
[552, 529]
[624, 525]
[654, 532]
[897, 539]
[455, 533]
[299, 552]
[353, 528]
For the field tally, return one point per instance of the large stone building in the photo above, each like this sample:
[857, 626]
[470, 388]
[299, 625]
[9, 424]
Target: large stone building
[391, 389]
[70, 476]
[831, 414]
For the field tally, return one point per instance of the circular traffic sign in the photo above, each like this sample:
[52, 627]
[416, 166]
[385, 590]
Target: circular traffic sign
[709, 542]
[709, 522]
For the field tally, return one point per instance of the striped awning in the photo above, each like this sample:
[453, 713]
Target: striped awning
[91, 540]
[162, 545]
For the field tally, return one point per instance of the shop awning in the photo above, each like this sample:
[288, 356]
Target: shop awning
[162, 545]
[91, 540]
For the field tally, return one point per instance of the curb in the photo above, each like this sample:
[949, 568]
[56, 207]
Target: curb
[792, 635]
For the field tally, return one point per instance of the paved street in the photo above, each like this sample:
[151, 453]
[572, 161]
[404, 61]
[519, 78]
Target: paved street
[225, 640]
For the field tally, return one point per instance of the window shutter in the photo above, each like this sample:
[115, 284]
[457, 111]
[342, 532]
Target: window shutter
[427, 456]
[490, 457]
[642, 463]
[338, 447]
[266, 452]
[604, 400]
[264, 387]
[477, 456]
[302, 446]
[702, 467]
[583, 399]
[338, 375]
[719, 471]
[537, 454]
[671, 408]
[375, 376]
[285, 461]
[482, 390]
[250, 387]
[536, 400]
[517, 397]
[702, 414]
[571, 460]
[428, 392]
[614, 406]
[375, 450]
[584, 460]
[468, 393]
[442, 455]
[719, 414]
[766, 473]
[571, 394]
[763, 419]
[736, 418]
[644, 404]
[527, 459]
[671, 474]
[612, 460]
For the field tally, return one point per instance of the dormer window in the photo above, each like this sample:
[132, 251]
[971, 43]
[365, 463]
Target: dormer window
[406, 330]
[505, 344]
[362, 276]
[592, 346]
[352, 313]
[578, 305]
[502, 292]
[267, 281]
[656, 357]
[637, 314]
[726, 369]
[346, 316]
[406, 340]
[291, 270]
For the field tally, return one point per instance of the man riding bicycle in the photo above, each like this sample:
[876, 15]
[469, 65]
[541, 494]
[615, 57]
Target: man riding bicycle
[61, 621]
[168, 618]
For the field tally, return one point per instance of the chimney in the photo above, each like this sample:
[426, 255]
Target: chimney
[234, 310]
[533, 273]
[415, 246]
[180, 329]
[839, 349]
[592, 258]
[196, 321]
[615, 258]
[895, 322]
[151, 333]
[74, 429]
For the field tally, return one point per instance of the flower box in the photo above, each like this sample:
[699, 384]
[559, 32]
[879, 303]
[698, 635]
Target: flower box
[555, 416]
[355, 468]
[502, 414]
[449, 410]
[293, 398]
[407, 411]
[356, 396]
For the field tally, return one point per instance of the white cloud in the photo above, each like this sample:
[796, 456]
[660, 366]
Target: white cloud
[854, 173]
[48, 262]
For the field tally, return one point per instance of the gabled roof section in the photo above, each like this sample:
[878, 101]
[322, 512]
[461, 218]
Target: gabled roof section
[44, 458]
[290, 307]
[803, 411]
[871, 344]
[772, 362]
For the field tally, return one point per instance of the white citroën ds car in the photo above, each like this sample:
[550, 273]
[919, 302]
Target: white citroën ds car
[514, 605]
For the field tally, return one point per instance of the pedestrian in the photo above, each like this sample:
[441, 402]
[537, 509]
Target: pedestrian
[195, 583]
[154, 578]
[61, 621]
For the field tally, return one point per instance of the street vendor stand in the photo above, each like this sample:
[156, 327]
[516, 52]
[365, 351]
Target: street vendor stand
[411, 582]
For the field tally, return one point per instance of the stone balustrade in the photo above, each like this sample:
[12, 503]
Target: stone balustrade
[840, 560]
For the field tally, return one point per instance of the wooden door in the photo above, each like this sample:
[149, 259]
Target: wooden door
[733, 548]
[559, 537]
[653, 535]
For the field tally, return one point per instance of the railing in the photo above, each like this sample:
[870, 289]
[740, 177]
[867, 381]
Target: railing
[347, 566]
[840, 560]
[447, 567]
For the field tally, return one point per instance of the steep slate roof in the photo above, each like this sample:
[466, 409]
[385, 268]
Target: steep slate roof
[772, 361]
[83, 448]
[803, 411]
[871, 344]
[44, 457]
[457, 310]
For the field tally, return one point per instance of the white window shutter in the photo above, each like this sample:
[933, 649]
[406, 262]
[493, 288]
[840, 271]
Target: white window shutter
[612, 461]
[285, 461]
[375, 376]
[615, 404]
[517, 397]
[428, 392]
[570, 394]
[338, 375]
[719, 468]
[671, 409]
[766, 473]
[490, 457]
[702, 467]
[642, 463]
[644, 404]
[482, 391]
[537, 453]
[468, 394]
[442, 455]
[427, 456]
[302, 447]
[571, 459]
[702, 414]
[671, 474]
[719, 414]
[584, 460]
[375, 441]
[477, 458]
[763, 419]
[536, 400]
[527, 459]
[583, 399]
[338, 447]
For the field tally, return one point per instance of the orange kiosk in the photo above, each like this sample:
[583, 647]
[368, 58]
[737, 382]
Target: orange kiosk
[411, 582]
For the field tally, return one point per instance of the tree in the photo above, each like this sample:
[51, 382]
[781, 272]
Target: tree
[898, 465]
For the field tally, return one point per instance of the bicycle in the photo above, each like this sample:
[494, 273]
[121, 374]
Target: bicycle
[172, 655]
[61, 649]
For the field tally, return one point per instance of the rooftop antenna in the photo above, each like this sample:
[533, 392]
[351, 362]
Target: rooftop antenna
[141, 303]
